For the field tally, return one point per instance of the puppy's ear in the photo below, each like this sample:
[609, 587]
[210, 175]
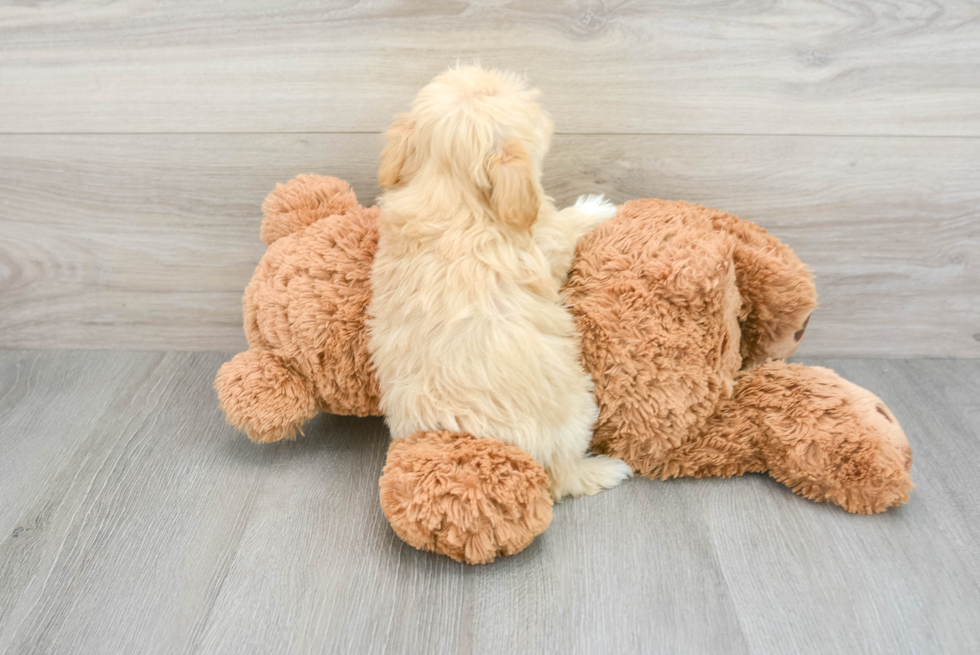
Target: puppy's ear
[514, 193]
[395, 154]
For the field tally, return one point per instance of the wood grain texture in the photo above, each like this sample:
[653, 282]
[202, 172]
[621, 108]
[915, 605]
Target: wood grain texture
[787, 67]
[134, 520]
[147, 241]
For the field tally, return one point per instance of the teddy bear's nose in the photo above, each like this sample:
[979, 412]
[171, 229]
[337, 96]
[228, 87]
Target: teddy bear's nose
[881, 410]
[799, 333]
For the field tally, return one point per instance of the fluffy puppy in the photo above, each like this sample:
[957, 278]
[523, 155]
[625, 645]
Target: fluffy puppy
[467, 330]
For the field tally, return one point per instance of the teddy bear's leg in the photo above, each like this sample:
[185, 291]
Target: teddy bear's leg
[471, 499]
[829, 439]
[777, 291]
[302, 201]
[263, 396]
[726, 447]
[824, 437]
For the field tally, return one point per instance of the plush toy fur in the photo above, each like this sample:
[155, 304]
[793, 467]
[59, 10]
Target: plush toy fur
[684, 313]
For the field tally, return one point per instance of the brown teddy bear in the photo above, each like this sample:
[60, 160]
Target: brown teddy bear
[685, 314]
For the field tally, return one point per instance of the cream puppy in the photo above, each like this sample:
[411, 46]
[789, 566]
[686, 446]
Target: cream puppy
[467, 329]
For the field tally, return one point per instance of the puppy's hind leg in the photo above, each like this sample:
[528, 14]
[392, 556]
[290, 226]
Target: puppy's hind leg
[571, 471]
[576, 475]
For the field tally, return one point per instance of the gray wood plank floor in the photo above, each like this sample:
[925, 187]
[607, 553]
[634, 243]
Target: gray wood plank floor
[133, 520]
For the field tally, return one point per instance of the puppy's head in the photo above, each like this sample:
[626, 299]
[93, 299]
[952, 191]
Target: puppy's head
[476, 131]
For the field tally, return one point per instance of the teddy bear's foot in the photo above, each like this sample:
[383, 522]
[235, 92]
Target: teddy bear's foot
[263, 397]
[828, 439]
[471, 499]
[876, 461]
[302, 201]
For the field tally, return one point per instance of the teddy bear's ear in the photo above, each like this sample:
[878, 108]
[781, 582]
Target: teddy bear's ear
[514, 193]
[396, 153]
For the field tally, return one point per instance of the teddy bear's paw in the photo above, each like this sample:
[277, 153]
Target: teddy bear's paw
[878, 474]
[594, 210]
[471, 499]
[586, 476]
[263, 397]
[862, 477]
[846, 446]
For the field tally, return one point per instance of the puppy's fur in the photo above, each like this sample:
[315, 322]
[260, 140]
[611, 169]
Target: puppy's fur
[467, 331]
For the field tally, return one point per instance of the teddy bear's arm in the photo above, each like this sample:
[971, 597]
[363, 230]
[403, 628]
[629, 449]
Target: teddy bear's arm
[505, 505]
[262, 396]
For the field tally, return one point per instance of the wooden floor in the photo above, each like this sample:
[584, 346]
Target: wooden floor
[135, 521]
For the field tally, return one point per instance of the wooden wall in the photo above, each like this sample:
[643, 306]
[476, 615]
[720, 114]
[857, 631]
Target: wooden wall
[138, 139]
